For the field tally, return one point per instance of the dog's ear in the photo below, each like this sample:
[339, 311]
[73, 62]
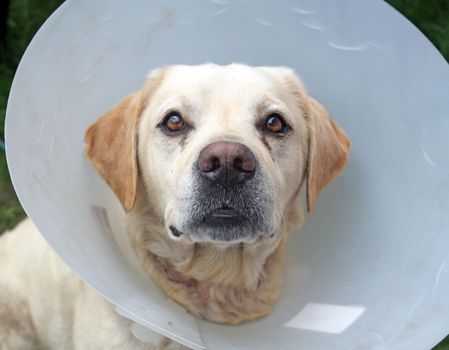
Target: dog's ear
[111, 146]
[111, 142]
[328, 150]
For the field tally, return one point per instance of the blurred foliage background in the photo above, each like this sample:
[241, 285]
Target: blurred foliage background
[20, 19]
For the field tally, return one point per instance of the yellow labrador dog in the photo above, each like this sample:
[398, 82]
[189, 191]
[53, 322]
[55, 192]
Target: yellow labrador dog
[209, 162]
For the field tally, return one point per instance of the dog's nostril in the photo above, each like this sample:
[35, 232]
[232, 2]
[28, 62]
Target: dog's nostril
[238, 164]
[215, 164]
[209, 164]
[243, 164]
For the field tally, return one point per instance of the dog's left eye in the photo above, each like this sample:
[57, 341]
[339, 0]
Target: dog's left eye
[173, 122]
[275, 124]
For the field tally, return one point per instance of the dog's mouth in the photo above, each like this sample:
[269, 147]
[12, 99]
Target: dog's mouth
[212, 212]
[223, 216]
[225, 224]
[222, 219]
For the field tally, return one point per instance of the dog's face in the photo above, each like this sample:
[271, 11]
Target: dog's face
[222, 151]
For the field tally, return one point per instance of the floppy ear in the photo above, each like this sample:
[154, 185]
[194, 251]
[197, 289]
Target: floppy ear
[328, 143]
[111, 142]
[328, 151]
[111, 146]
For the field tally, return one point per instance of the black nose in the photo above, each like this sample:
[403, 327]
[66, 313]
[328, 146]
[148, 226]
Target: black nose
[227, 163]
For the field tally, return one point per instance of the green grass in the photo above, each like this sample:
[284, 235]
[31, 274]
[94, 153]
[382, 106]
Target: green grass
[26, 16]
[10, 210]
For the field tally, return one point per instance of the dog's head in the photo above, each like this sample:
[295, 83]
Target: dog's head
[222, 151]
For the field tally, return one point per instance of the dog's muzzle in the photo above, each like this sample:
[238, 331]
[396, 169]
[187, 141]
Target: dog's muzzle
[228, 201]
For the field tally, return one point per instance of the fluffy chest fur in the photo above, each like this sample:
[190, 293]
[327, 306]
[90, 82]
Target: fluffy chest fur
[225, 283]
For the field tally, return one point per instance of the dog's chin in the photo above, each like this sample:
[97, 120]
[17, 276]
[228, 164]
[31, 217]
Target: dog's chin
[223, 231]
[221, 226]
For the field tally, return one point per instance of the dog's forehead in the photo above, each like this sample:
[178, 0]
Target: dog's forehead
[208, 81]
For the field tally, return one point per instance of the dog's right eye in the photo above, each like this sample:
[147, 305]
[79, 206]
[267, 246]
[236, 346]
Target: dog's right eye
[173, 122]
[275, 125]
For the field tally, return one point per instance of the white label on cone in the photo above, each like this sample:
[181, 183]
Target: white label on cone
[325, 318]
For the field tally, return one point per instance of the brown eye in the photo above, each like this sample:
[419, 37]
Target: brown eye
[174, 122]
[275, 124]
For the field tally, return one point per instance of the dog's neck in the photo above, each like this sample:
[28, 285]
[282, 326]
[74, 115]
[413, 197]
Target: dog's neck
[226, 283]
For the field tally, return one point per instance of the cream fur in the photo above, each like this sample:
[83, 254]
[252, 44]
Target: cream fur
[43, 305]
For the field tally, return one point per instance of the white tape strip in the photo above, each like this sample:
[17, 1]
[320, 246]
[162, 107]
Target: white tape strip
[325, 318]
